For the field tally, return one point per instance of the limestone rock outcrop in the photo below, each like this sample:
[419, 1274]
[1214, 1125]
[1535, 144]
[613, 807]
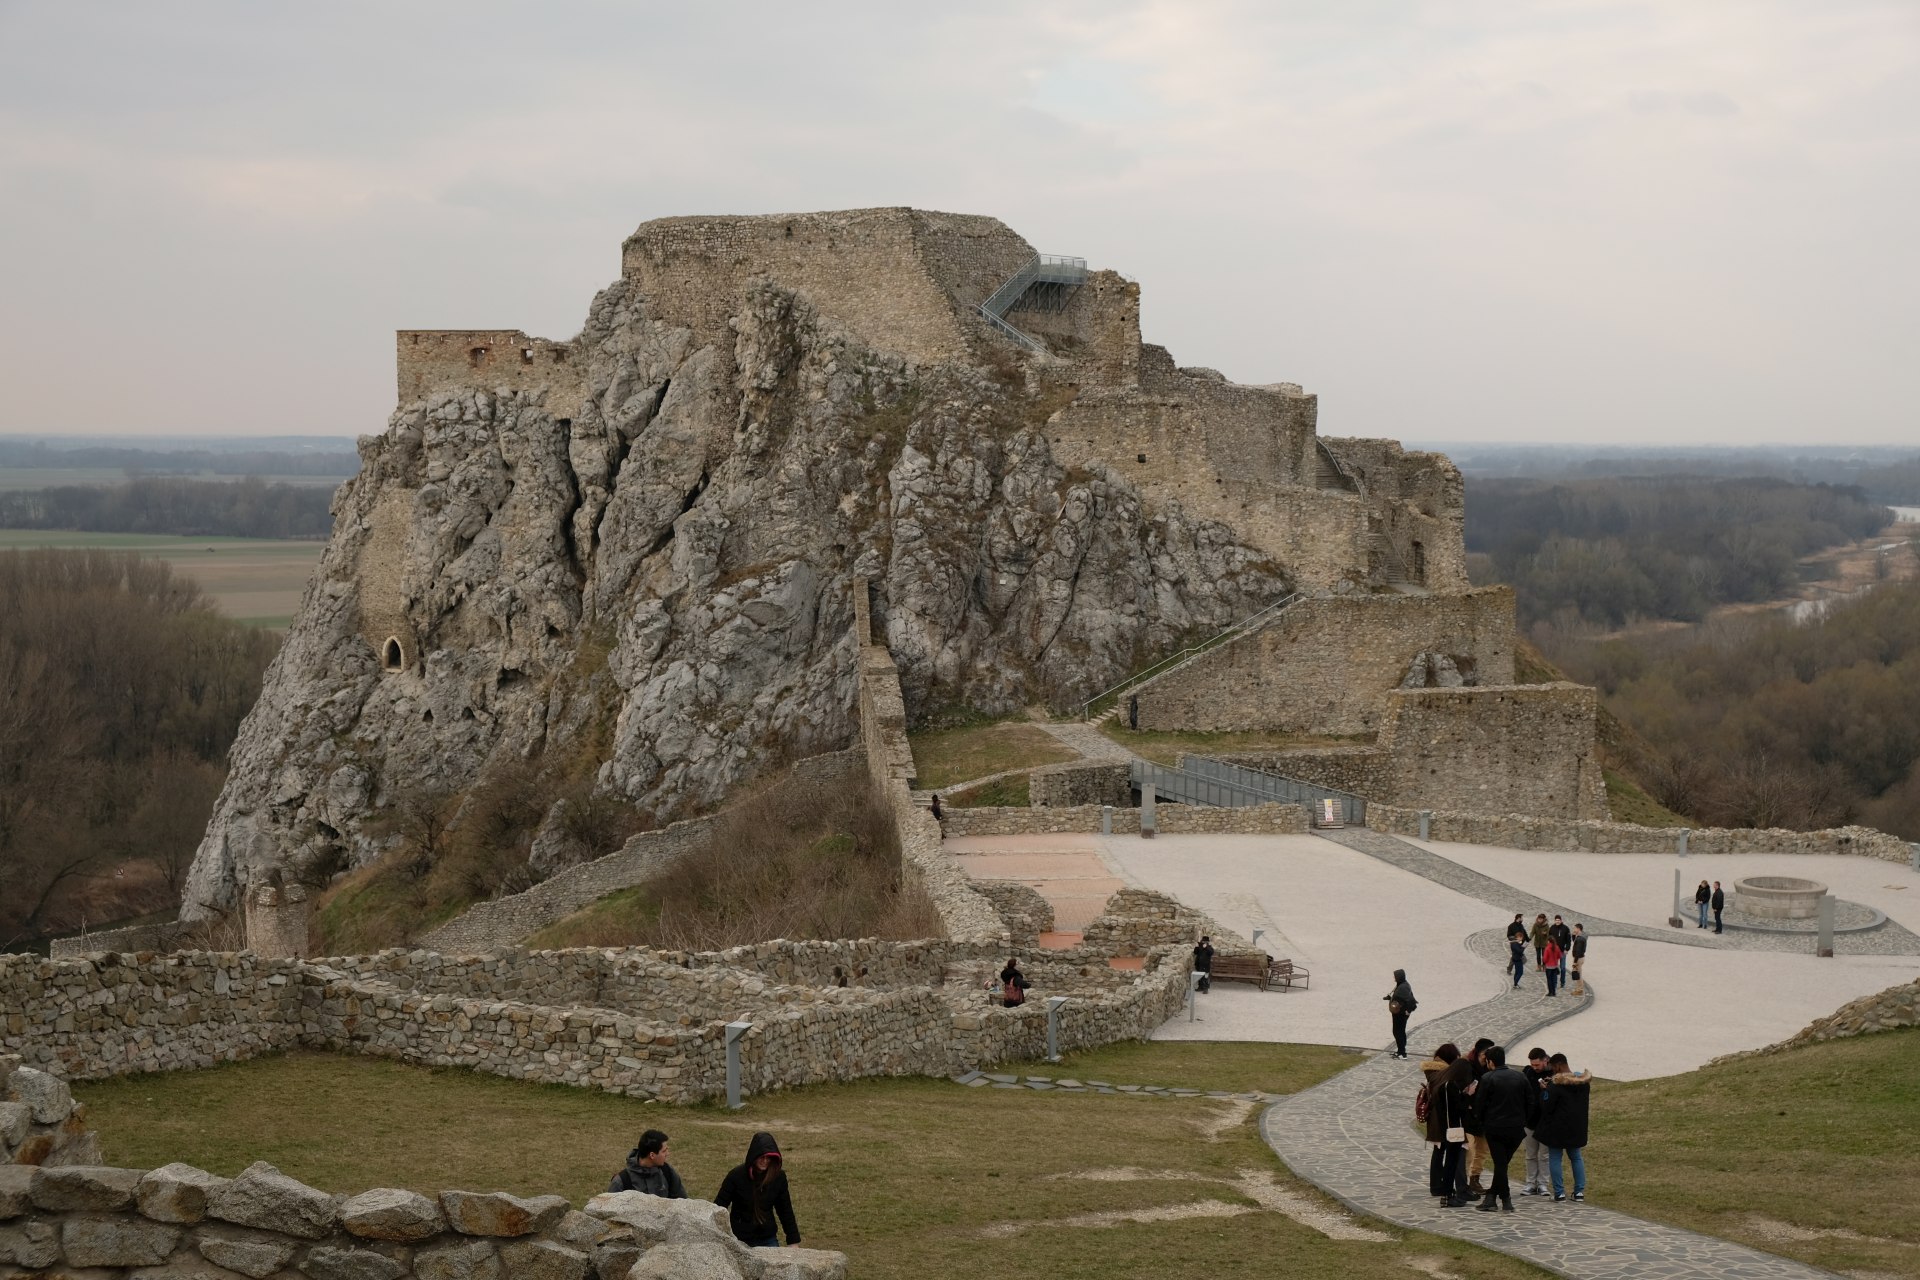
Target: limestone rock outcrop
[632, 552]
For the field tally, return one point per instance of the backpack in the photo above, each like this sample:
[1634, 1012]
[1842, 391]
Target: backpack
[1420, 1105]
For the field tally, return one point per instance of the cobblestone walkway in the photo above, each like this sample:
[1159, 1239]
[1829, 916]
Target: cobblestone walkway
[1353, 1135]
[1087, 740]
[1888, 939]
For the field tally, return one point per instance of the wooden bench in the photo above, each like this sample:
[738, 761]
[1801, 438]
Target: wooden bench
[1254, 969]
[1285, 973]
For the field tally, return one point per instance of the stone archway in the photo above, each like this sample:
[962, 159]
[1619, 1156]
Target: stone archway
[393, 655]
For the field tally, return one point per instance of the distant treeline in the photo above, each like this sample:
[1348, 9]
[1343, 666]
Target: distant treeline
[1608, 551]
[1756, 722]
[120, 691]
[1883, 474]
[249, 508]
[38, 455]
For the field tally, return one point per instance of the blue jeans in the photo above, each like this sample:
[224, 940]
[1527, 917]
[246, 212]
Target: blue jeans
[1519, 962]
[771, 1242]
[1703, 915]
[1573, 1158]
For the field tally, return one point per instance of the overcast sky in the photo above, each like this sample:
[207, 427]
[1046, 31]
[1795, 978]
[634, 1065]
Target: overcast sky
[1566, 222]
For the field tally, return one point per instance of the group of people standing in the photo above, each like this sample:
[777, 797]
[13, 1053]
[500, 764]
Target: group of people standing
[1555, 948]
[1716, 898]
[1479, 1112]
[754, 1193]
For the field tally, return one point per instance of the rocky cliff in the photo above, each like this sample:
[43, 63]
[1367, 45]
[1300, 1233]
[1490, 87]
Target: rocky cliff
[631, 555]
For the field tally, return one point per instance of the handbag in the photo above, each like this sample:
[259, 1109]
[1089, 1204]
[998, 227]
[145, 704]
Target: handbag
[1393, 1006]
[1456, 1134]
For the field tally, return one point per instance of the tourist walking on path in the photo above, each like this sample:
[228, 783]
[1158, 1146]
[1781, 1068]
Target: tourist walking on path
[1506, 1106]
[1400, 1003]
[755, 1193]
[1517, 948]
[1203, 962]
[1450, 1102]
[1701, 897]
[1013, 985]
[1559, 932]
[647, 1170]
[1532, 1154]
[1563, 1124]
[1579, 958]
[1550, 961]
[1540, 938]
[1719, 905]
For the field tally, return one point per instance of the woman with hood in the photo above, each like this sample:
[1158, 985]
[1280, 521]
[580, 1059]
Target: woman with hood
[754, 1192]
[1563, 1124]
[1400, 1003]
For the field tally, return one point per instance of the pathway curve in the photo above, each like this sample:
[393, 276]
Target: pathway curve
[1087, 740]
[1352, 1136]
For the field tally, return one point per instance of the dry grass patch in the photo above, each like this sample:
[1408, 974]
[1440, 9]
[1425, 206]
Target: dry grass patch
[1164, 746]
[907, 1176]
[1015, 792]
[944, 757]
[1806, 1153]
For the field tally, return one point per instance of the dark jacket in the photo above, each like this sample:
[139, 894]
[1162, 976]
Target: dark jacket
[1703, 893]
[1435, 1072]
[1536, 1080]
[1561, 934]
[658, 1180]
[1579, 951]
[1539, 935]
[1719, 900]
[1516, 932]
[1402, 995]
[1504, 1102]
[1203, 958]
[1563, 1114]
[1454, 1104]
[751, 1206]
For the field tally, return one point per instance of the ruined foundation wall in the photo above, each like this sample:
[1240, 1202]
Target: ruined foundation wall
[1325, 665]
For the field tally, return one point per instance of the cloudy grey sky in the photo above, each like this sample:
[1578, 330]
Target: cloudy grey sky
[1564, 221]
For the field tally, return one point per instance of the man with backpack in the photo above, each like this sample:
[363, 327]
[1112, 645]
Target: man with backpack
[1400, 1003]
[647, 1170]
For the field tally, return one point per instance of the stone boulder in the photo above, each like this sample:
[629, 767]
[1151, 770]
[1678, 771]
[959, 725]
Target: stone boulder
[388, 1214]
[86, 1188]
[116, 1242]
[46, 1097]
[467, 1260]
[177, 1193]
[324, 1262]
[257, 1257]
[264, 1197]
[495, 1213]
[686, 1262]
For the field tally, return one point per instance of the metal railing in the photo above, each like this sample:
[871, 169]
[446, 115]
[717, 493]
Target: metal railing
[1187, 654]
[1277, 787]
[1057, 276]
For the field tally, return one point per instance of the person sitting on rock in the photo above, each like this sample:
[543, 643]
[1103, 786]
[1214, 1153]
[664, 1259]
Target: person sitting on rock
[647, 1170]
[755, 1192]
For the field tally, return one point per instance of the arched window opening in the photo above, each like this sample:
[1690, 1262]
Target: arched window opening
[392, 657]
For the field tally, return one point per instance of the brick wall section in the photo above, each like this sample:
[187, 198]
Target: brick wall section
[1512, 831]
[1530, 749]
[505, 921]
[1325, 665]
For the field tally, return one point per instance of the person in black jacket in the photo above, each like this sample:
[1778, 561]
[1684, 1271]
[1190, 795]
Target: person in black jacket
[647, 1170]
[1400, 1003]
[1452, 1091]
[1517, 948]
[1719, 905]
[1701, 897]
[754, 1192]
[1203, 962]
[1477, 1152]
[1505, 1104]
[1559, 932]
[1013, 985]
[1563, 1124]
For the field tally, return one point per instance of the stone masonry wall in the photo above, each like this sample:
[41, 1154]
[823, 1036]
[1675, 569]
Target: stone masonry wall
[40, 1123]
[179, 1221]
[1173, 819]
[1530, 749]
[430, 360]
[1325, 665]
[1065, 785]
[1512, 831]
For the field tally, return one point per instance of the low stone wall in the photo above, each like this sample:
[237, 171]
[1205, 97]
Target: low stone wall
[40, 1123]
[1137, 921]
[179, 1221]
[1027, 914]
[1355, 769]
[1515, 832]
[506, 921]
[1069, 785]
[1172, 819]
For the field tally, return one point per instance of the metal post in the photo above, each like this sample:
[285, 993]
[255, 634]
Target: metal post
[1193, 994]
[1684, 833]
[1053, 1027]
[1916, 855]
[1254, 942]
[734, 1031]
[1106, 819]
[1426, 822]
[1146, 811]
[1826, 924]
[1679, 911]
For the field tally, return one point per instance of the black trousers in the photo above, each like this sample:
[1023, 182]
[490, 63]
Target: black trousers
[1400, 1033]
[1501, 1147]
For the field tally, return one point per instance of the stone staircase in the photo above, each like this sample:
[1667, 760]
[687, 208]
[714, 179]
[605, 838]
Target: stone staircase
[1187, 656]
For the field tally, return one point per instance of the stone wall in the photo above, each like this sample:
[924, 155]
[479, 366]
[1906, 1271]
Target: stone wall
[430, 360]
[179, 1221]
[899, 280]
[1026, 912]
[1325, 665]
[1513, 831]
[1530, 749]
[1067, 785]
[1172, 819]
[508, 920]
[1351, 769]
[40, 1123]
[1137, 921]
[165, 936]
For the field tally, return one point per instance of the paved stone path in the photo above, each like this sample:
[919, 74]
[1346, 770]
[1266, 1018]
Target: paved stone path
[1352, 1136]
[1888, 939]
[1087, 740]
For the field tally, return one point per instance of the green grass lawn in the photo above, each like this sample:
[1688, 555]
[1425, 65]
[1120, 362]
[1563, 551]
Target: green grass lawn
[1165, 746]
[1807, 1153]
[1015, 792]
[943, 757]
[913, 1178]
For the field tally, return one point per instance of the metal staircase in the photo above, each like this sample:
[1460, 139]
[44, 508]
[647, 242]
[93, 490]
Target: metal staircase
[1046, 283]
[1228, 786]
[1168, 665]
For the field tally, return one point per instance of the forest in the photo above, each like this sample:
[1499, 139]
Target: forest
[1611, 550]
[247, 508]
[120, 691]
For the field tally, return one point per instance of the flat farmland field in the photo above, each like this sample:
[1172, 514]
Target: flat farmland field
[256, 580]
[14, 478]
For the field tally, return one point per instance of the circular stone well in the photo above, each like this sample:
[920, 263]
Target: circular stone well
[1778, 897]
